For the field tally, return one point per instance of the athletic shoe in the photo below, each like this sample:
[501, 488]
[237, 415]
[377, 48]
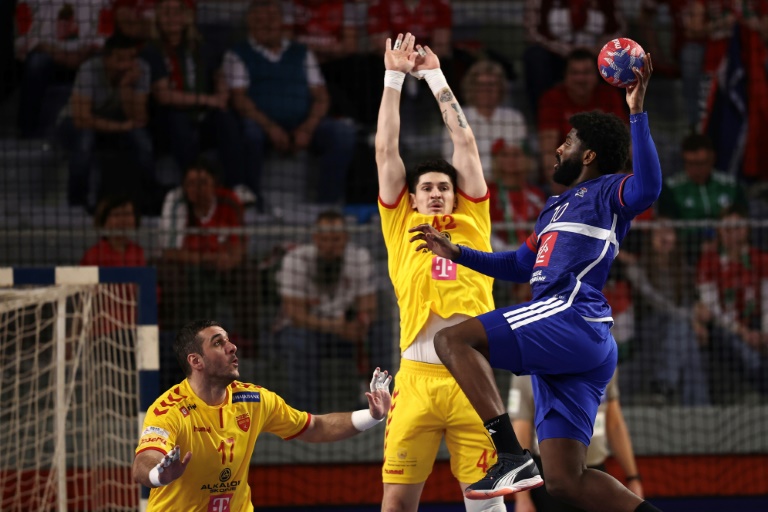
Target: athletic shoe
[510, 474]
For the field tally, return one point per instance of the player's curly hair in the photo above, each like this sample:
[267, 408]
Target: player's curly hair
[439, 165]
[607, 136]
[188, 341]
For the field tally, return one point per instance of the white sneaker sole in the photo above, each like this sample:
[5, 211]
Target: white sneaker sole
[522, 485]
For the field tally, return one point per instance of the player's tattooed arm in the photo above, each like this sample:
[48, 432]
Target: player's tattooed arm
[445, 95]
[459, 115]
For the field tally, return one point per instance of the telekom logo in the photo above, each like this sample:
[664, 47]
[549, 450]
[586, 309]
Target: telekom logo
[219, 503]
[443, 269]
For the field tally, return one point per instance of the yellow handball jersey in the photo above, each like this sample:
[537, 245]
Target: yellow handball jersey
[221, 439]
[425, 282]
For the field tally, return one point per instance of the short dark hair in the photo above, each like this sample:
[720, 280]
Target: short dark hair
[188, 341]
[329, 215]
[695, 142]
[203, 164]
[109, 203]
[119, 41]
[439, 165]
[606, 135]
[580, 54]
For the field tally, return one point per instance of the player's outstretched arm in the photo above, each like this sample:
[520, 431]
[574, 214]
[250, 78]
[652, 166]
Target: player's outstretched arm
[398, 60]
[466, 158]
[153, 469]
[335, 426]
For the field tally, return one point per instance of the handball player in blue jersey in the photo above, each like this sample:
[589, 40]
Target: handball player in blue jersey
[563, 336]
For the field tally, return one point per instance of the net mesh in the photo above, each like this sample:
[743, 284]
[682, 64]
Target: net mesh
[69, 393]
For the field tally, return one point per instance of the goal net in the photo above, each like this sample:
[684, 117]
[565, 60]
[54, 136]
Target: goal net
[70, 397]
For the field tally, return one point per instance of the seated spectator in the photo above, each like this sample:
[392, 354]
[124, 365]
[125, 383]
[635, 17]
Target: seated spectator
[430, 22]
[53, 39]
[115, 213]
[700, 192]
[108, 111]
[201, 271]
[581, 90]
[668, 328]
[188, 88]
[610, 437]
[136, 18]
[279, 92]
[733, 289]
[484, 87]
[555, 29]
[329, 306]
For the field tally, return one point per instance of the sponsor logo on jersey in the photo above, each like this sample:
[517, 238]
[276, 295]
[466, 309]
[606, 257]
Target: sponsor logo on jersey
[546, 246]
[394, 471]
[202, 429]
[246, 396]
[244, 422]
[225, 475]
[537, 277]
[155, 430]
[220, 503]
[443, 269]
[155, 439]
[220, 486]
[184, 411]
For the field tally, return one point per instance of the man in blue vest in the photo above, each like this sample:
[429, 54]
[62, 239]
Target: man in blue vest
[279, 91]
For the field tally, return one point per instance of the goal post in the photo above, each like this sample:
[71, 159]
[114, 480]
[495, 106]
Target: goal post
[79, 367]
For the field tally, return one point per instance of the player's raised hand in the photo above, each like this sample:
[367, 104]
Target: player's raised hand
[400, 56]
[379, 398]
[636, 91]
[432, 240]
[425, 60]
[171, 466]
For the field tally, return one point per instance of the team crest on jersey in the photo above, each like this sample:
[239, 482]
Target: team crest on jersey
[581, 192]
[184, 411]
[244, 422]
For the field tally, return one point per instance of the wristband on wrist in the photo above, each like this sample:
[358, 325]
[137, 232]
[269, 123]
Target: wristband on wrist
[394, 79]
[362, 420]
[434, 77]
[154, 477]
[634, 477]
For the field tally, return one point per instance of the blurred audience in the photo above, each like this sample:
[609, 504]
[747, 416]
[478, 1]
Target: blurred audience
[279, 92]
[485, 91]
[430, 21]
[117, 215]
[108, 114]
[188, 89]
[733, 289]
[329, 306]
[581, 90]
[668, 328]
[136, 18]
[53, 38]
[555, 29]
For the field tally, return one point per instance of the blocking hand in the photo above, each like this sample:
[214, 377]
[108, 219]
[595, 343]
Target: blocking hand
[401, 56]
[379, 398]
[434, 241]
[170, 467]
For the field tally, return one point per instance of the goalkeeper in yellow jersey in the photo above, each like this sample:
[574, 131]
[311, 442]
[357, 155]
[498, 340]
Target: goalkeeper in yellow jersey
[214, 420]
[432, 292]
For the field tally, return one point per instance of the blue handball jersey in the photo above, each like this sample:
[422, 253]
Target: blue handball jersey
[576, 239]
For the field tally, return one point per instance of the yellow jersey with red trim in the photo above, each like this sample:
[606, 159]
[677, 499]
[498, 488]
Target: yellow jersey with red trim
[425, 282]
[221, 439]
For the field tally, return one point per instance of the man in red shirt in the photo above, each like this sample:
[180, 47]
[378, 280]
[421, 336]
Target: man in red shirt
[581, 91]
[428, 20]
[115, 213]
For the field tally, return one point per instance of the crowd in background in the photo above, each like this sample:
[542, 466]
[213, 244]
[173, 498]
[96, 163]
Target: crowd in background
[120, 84]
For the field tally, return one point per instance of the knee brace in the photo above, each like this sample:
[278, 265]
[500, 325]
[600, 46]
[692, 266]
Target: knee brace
[491, 505]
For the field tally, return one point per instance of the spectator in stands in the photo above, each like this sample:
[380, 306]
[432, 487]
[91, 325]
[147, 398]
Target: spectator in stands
[115, 213]
[329, 305]
[610, 437]
[484, 87]
[188, 88]
[699, 193]
[279, 92]
[555, 29]
[685, 57]
[667, 325]
[199, 271]
[136, 18]
[108, 110]
[581, 90]
[733, 288]
[430, 21]
[53, 39]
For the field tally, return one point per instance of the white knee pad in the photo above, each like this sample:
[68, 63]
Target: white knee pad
[491, 505]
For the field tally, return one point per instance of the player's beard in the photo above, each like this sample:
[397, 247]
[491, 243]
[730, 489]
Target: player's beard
[567, 172]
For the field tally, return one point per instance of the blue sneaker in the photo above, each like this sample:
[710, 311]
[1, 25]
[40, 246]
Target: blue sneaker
[510, 474]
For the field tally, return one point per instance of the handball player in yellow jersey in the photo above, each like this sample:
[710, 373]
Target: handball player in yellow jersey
[432, 292]
[214, 420]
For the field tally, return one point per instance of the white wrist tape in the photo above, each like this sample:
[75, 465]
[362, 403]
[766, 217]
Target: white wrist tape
[394, 79]
[434, 77]
[362, 420]
[154, 477]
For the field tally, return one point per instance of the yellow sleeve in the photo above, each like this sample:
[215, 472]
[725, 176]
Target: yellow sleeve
[160, 429]
[479, 209]
[283, 420]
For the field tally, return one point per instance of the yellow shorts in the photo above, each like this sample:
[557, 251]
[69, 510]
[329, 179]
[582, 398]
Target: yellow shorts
[427, 403]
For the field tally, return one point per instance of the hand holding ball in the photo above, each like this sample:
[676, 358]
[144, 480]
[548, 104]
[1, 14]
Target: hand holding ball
[616, 60]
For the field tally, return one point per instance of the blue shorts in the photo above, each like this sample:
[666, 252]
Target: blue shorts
[569, 359]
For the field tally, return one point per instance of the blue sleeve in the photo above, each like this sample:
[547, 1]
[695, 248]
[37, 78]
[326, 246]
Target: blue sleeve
[515, 266]
[643, 187]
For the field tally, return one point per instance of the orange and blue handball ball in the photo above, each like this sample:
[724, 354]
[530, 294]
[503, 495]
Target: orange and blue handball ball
[616, 60]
